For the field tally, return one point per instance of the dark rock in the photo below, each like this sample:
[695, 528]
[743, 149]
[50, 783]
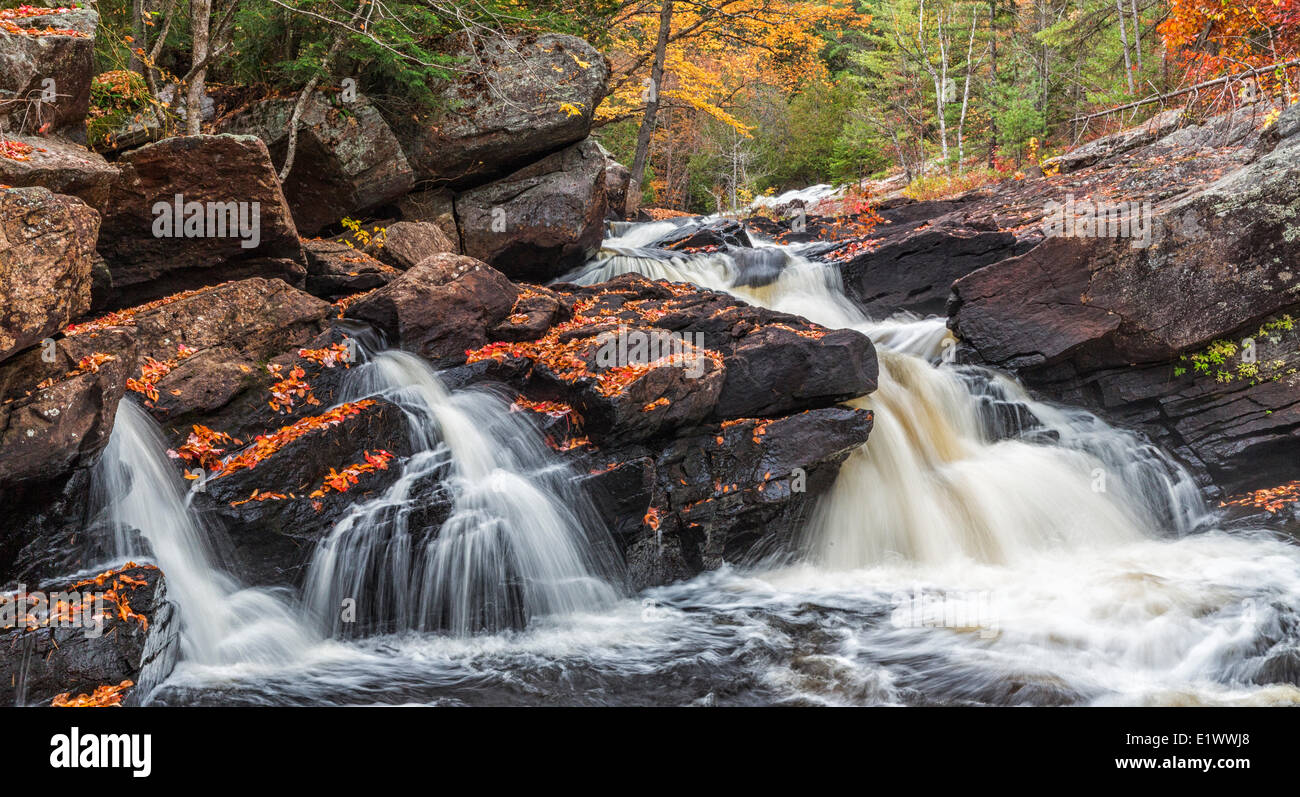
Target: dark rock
[347, 159]
[440, 308]
[214, 171]
[915, 272]
[540, 221]
[57, 405]
[273, 539]
[714, 234]
[735, 494]
[1104, 323]
[335, 269]
[47, 242]
[60, 658]
[520, 99]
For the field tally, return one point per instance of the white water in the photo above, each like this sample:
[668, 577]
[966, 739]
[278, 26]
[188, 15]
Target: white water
[518, 541]
[1090, 569]
[142, 493]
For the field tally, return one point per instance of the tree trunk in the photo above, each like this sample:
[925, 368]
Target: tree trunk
[652, 107]
[1123, 39]
[1137, 34]
[993, 77]
[136, 63]
[304, 96]
[200, 19]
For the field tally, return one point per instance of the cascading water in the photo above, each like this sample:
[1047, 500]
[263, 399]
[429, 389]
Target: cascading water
[1078, 534]
[144, 499]
[1086, 565]
[514, 539]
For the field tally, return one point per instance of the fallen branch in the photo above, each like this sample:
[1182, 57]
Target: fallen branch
[1188, 90]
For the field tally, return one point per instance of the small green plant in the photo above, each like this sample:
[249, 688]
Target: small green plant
[375, 235]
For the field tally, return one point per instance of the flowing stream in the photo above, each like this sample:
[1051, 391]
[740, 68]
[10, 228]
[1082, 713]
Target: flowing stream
[981, 548]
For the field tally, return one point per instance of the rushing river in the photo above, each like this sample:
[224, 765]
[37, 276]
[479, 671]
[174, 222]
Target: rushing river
[982, 548]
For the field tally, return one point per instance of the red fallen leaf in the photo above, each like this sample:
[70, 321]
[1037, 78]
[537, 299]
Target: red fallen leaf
[652, 518]
[103, 696]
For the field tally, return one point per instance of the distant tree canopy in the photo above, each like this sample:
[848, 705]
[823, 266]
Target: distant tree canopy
[717, 100]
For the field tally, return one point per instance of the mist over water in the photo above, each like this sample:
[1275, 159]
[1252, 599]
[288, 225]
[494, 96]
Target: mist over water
[981, 548]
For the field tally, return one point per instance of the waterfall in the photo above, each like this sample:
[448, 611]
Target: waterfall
[145, 500]
[941, 478]
[483, 530]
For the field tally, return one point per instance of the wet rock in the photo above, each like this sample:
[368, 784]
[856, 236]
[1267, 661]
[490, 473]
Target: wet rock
[640, 359]
[1115, 326]
[714, 234]
[152, 251]
[273, 537]
[347, 159]
[335, 269]
[47, 242]
[915, 271]
[74, 656]
[734, 494]
[57, 404]
[541, 221]
[440, 308]
[520, 99]
[62, 167]
[27, 61]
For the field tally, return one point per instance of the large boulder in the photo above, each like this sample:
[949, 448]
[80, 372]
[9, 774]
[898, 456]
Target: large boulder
[39, 45]
[407, 243]
[347, 159]
[57, 404]
[203, 355]
[735, 494]
[440, 308]
[62, 167]
[519, 98]
[1122, 326]
[540, 221]
[233, 221]
[275, 511]
[47, 244]
[335, 269]
[637, 359]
